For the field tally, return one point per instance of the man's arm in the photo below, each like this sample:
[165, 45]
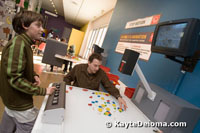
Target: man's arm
[113, 91]
[109, 86]
[70, 76]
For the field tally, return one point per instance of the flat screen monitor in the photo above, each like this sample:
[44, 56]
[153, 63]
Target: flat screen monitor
[97, 49]
[161, 112]
[139, 95]
[128, 61]
[177, 37]
[52, 48]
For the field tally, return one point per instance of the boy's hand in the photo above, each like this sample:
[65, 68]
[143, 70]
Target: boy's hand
[50, 90]
[37, 80]
[122, 102]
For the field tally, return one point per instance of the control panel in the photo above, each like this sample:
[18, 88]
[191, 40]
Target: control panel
[55, 106]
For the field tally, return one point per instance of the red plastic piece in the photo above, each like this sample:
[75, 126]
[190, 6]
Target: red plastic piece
[85, 89]
[70, 87]
[106, 69]
[113, 77]
[42, 46]
[129, 92]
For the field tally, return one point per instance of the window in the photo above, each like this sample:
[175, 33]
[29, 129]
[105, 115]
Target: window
[96, 37]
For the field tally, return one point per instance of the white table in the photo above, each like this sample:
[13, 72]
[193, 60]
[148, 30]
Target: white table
[81, 118]
[76, 60]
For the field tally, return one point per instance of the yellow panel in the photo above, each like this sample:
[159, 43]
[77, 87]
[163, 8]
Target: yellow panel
[84, 28]
[46, 32]
[76, 39]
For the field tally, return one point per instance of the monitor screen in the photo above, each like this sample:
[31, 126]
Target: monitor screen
[161, 112]
[139, 95]
[170, 35]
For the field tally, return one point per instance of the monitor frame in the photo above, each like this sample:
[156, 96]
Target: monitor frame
[189, 43]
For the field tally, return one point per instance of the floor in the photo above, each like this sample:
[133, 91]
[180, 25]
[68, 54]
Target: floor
[46, 77]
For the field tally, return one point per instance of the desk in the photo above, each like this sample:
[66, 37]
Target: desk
[77, 60]
[81, 118]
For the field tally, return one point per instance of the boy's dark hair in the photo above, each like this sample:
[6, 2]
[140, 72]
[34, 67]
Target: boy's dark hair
[25, 18]
[95, 56]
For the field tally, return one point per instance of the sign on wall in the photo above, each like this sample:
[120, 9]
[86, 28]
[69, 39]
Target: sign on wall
[140, 42]
[141, 22]
[7, 11]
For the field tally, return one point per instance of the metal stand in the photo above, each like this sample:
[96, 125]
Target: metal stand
[151, 93]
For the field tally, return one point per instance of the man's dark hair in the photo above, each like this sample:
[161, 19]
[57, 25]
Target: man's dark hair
[95, 56]
[25, 18]
[63, 40]
[51, 31]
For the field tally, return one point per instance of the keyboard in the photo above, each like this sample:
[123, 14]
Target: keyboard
[55, 107]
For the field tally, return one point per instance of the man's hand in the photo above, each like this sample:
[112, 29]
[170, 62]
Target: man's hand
[122, 102]
[50, 90]
[37, 80]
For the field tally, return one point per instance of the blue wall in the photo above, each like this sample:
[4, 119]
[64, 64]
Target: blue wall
[158, 70]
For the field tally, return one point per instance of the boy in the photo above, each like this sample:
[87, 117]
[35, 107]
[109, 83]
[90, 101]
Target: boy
[70, 53]
[18, 80]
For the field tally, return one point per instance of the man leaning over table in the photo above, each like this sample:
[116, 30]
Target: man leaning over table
[90, 76]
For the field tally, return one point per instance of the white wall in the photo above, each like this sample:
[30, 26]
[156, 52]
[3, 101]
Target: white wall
[33, 4]
[103, 20]
[97, 23]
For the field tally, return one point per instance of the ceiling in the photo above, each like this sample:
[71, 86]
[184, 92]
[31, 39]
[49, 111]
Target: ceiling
[79, 12]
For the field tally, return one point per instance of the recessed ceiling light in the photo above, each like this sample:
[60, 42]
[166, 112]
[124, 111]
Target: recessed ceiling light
[74, 2]
[52, 14]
